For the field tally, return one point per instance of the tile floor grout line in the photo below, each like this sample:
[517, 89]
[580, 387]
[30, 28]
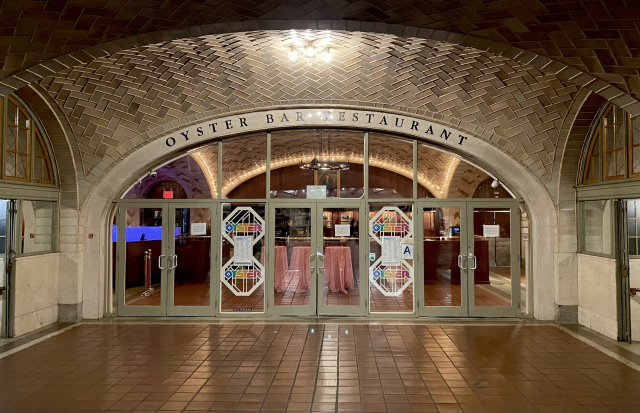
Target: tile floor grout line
[286, 406]
[38, 340]
[600, 348]
[274, 374]
[315, 386]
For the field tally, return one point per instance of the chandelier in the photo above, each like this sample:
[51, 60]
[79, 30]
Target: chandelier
[311, 52]
[324, 165]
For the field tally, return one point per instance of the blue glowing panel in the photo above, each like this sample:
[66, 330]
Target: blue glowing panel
[135, 234]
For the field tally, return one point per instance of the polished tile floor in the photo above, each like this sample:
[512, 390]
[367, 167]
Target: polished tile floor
[301, 367]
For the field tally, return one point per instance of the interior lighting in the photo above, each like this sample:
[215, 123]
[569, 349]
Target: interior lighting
[310, 51]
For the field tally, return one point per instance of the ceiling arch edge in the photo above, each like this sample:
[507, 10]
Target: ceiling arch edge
[484, 153]
[561, 70]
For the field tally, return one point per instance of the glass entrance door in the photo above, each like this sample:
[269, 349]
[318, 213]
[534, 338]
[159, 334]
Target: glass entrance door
[190, 260]
[142, 260]
[314, 259]
[164, 259]
[470, 261]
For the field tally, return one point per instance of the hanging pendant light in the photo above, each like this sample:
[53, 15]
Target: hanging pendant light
[317, 165]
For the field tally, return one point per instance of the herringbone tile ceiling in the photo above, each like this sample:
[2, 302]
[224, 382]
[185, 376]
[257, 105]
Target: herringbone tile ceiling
[599, 37]
[112, 102]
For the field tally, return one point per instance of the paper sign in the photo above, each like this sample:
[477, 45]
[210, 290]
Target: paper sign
[391, 251]
[407, 251]
[242, 251]
[316, 192]
[343, 230]
[491, 231]
[199, 228]
[372, 256]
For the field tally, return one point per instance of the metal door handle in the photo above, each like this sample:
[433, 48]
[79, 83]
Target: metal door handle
[174, 260]
[475, 261]
[311, 257]
[633, 291]
[460, 257]
[321, 258]
[160, 262]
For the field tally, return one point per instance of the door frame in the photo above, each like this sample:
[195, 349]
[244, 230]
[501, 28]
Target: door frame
[422, 310]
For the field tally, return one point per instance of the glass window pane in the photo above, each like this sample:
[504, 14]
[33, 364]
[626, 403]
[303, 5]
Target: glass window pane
[435, 170]
[340, 150]
[493, 273]
[441, 247]
[341, 279]
[244, 166]
[143, 247]
[596, 226]
[631, 227]
[37, 226]
[292, 268]
[37, 169]
[21, 167]
[193, 250]
[390, 166]
[611, 164]
[12, 111]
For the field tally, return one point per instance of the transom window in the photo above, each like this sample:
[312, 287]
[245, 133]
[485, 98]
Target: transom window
[26, 157]
[614, 149]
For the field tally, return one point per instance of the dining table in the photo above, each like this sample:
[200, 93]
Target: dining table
[281, 268]
[338, 268]
[299, 265]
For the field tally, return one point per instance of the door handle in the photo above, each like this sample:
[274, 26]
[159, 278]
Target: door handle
[460, 257]
[475, 261]
[321, 258]
[633, 291]
[160, 262]
[174, 260]
[311, 257]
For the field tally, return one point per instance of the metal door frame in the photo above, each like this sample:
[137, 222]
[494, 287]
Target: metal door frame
[514, 230]
[363, 279]
[433, 311]
[6, 321]
[121, 308]
[214, 271]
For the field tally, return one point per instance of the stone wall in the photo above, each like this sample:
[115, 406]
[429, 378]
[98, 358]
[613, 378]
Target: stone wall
[597, 308]
[35, 292]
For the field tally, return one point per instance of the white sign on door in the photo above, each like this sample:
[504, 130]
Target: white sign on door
[407, 251]
[343, 230]
[316, 192]
[391, 251]
[199, 228]
[491, 231]
[242, 253]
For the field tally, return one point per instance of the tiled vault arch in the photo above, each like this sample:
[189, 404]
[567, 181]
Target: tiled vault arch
[122, 101]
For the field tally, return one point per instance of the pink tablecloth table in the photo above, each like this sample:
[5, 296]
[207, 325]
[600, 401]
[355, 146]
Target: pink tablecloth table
[339, 268]
[300, 263]
[281, 268]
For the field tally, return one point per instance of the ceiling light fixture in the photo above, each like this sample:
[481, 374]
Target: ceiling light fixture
[324, 165]
[310, 51]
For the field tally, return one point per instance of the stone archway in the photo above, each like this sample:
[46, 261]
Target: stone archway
[466, 143]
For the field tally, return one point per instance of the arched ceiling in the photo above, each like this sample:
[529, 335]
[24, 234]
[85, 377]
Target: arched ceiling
[114, 103]
[597, 37]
